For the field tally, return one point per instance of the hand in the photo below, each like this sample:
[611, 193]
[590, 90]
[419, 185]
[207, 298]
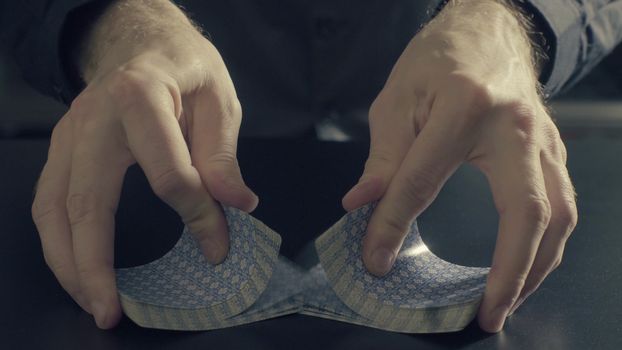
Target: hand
[149, 99]
[465, 90]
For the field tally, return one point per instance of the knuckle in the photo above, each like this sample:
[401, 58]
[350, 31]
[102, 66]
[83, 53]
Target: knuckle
[523, 120]
[169, 182]
[511, 284]
[83, 122]
[81, 208]
[556, 263]
[538, 274]
[538, 211]
[379, 159]
[395, 223]
[233, 108]
[203, 220]
[83, 103]
[554, 143]
[60, 267]
[225, 156]
[550, 131]
[222, 174]
[64, 272]
[203, 236]
[378, 109]
[227, 106]
[82, 115]
[128, 86]
[568, 217]
[207, 225]
[59, 133]
[563, 151]
[420, 188]
[476, 93]
[43, 207]
[89, 270]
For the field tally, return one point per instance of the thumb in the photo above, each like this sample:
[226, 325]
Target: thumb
[438, 150]
[215, 126]
[390, 138]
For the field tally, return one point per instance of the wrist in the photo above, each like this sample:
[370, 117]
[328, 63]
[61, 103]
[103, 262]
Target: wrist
[129, 28]
[536, 39]
[483, 33]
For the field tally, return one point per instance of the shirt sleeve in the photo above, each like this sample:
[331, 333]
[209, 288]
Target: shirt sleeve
[578, 33]
[33, 33]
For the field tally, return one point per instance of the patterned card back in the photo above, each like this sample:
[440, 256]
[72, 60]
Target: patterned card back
[182, 291]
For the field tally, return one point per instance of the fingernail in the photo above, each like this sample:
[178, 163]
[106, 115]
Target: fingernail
[213, 251]
[235, 183]
[99, 313]
[497, 318]
[81, 301]
[239, 185]
[365, 186]
[255, 201]
[353, 189]
[382, 261]
[518, 303]
[362, 187]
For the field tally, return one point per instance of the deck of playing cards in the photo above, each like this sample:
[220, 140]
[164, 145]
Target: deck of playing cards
[182, 291]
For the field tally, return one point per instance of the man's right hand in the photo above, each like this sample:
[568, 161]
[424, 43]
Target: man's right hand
[158, 93]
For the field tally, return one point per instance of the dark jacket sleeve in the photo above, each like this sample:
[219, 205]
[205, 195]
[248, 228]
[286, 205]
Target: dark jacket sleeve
[578, 33]
[33, 32]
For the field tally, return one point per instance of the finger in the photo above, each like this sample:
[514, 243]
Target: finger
[392, 133]
[98, 167]
[519, 192]
[563, 221]
[426, 167]
[156, 141]
[214, 136]
[50, 213]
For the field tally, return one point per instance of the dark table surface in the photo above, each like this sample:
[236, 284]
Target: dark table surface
[300, 184]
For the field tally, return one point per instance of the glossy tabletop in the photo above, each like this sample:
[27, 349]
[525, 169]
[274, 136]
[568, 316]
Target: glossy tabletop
[300, 184]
